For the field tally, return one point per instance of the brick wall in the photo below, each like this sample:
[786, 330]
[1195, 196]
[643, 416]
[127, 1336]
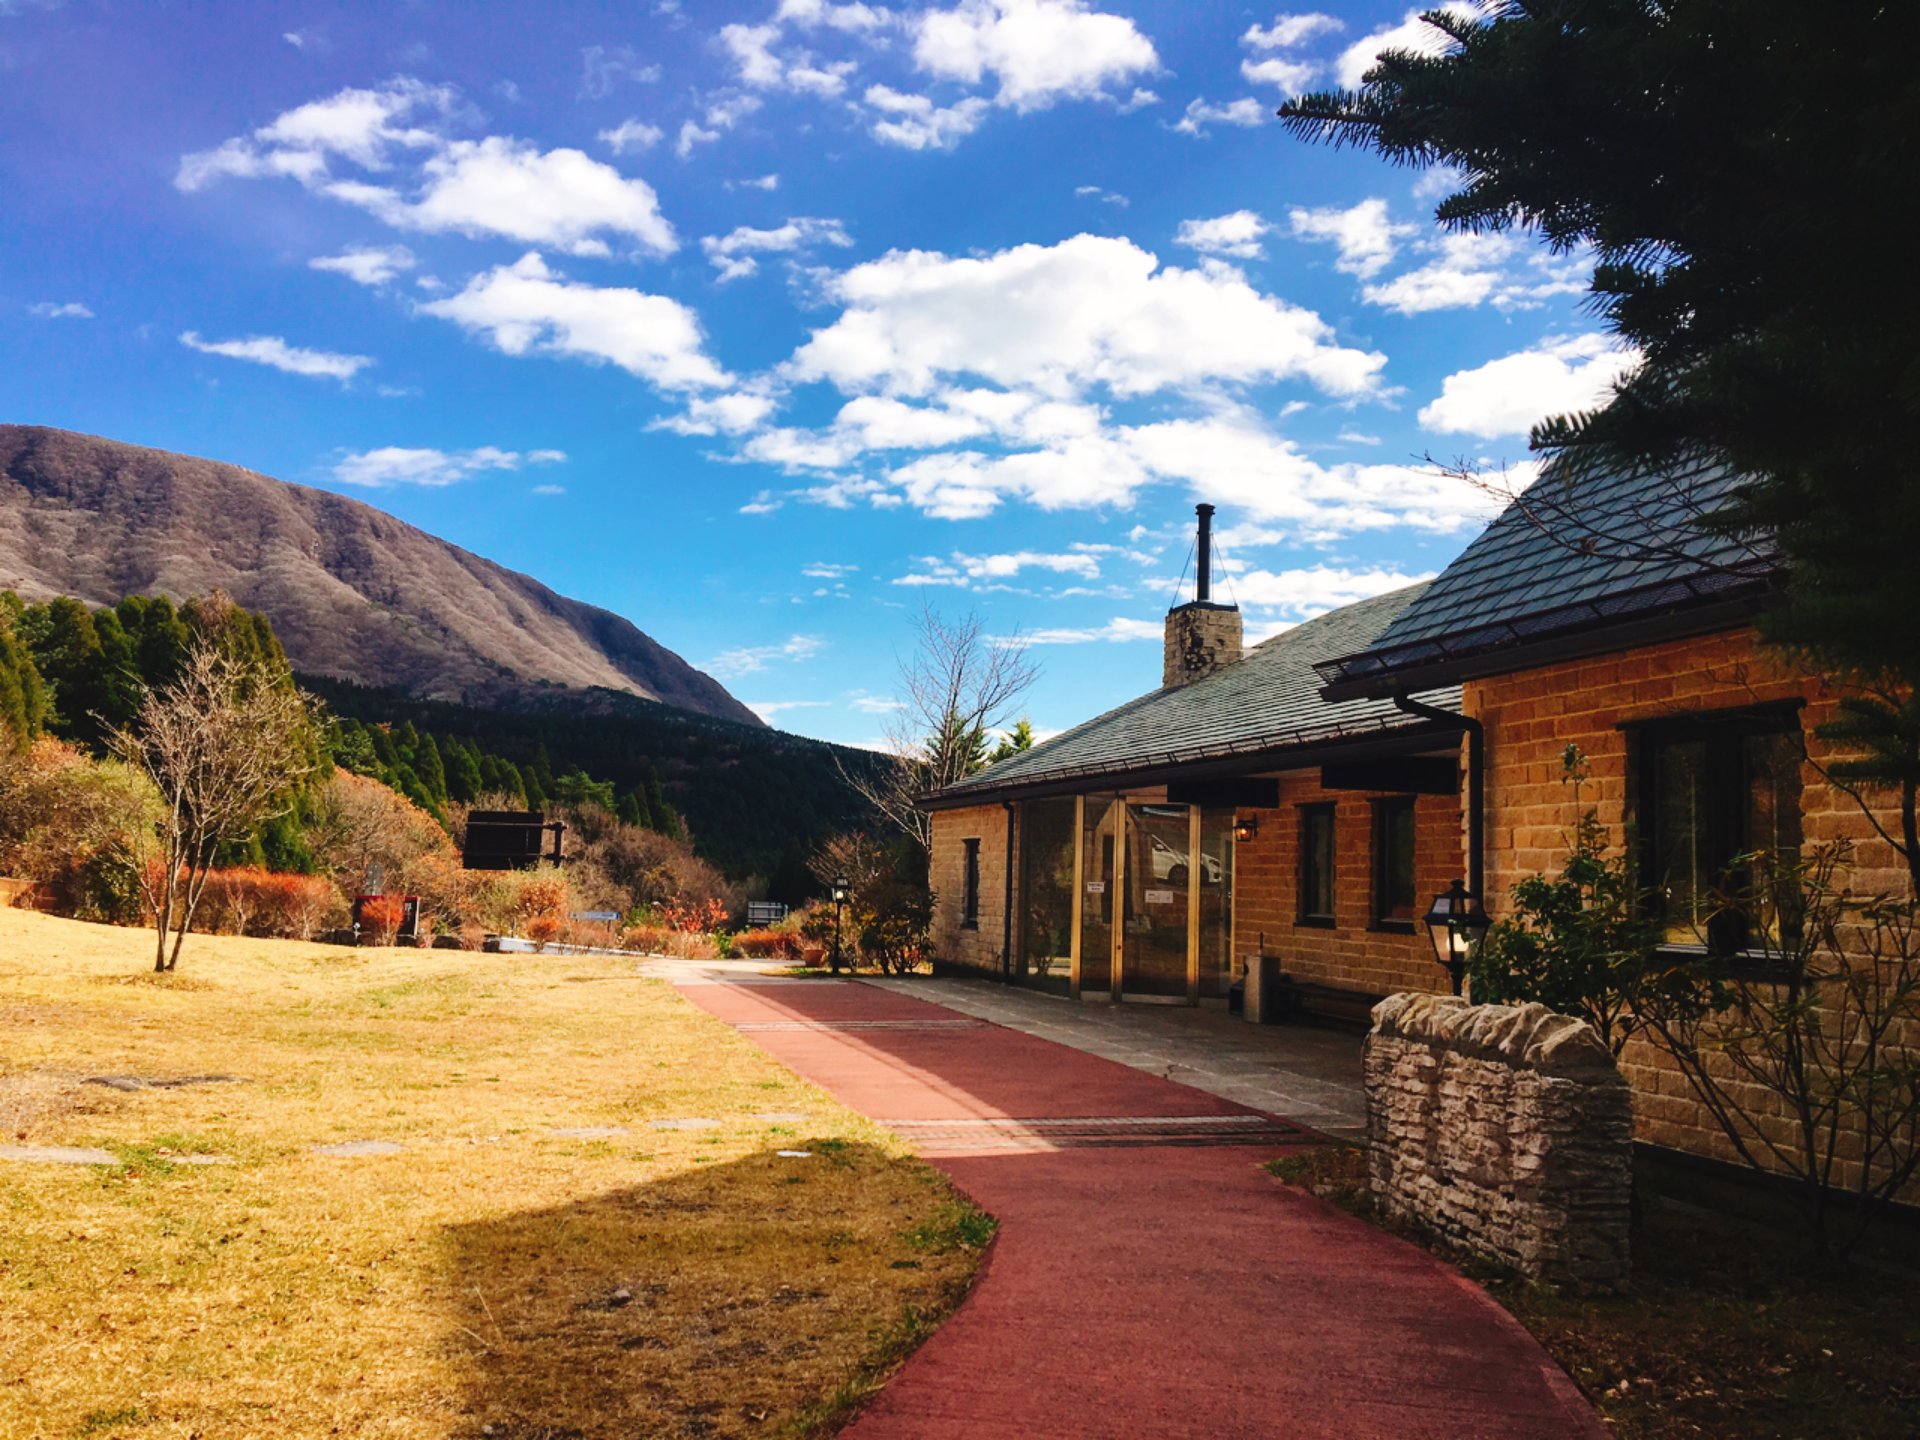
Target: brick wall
[1351, 954]
[1530, 718]
[955, 944]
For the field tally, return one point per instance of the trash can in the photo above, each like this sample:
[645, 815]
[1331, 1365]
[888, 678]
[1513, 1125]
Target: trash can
[1265, 998]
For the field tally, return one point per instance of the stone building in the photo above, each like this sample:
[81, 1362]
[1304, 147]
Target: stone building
[1308, 799]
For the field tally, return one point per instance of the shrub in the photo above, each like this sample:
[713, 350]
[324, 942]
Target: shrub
[252, 901]
[380, 917]
[767, 944]
[647, 939]
[543, 930]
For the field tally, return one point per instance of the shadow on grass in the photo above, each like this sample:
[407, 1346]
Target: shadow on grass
[765, 1296]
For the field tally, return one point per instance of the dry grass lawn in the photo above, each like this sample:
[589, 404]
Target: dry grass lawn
[490, 1278]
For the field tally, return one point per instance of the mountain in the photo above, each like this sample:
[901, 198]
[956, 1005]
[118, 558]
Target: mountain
[352, 592]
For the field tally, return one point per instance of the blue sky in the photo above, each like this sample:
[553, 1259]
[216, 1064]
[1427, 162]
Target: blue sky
[765, 324]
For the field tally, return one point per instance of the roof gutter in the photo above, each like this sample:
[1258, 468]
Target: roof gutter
[1476, 785]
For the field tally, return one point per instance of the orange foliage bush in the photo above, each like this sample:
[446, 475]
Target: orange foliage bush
[252, 901]
[380, 917]
[648, 939]
[767, 944]
[543, 930]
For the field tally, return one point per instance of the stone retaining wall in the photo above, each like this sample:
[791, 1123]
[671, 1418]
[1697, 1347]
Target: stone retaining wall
[1508, 1130]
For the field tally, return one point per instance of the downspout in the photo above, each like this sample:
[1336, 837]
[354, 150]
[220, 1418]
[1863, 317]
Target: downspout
[1476, 785]
[1006, 908]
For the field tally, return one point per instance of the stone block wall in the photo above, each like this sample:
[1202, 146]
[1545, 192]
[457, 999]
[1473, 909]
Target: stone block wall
[1507, 1130]
[976, 947]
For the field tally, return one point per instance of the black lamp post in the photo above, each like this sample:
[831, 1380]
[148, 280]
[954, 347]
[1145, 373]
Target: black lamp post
[1457, 924]
[839, 899]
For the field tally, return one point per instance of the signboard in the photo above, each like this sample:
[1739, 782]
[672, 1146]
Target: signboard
[604, 916]
[508, 840]
[765, 912]
[1096, 887]
[1159, 897]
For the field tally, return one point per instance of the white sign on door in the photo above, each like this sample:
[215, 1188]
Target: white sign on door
[1096, 887]
[1159, 897]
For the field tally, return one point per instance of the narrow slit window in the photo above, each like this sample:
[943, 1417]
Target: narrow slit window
[1393, 879]
[970, 892]
[1316, 865]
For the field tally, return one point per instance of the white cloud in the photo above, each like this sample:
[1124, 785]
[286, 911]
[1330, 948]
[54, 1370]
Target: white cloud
[1411, 34]
[914, 122]
[1289, 31]
[733, 254]
[60, 310]
[1039, 51]
[602, 67]
[1055, 320]
[1467, 272]
[1246, 113]
[1290, 77]
[527, 308]
[367, 264]
[272, 351]
[966, 571]
[1510, 395]
[721, 115]
[1237, 235]
[853, 18]
[875, 705]
[1095, 192]
[507, 187]
[494, 186]
[363, 127]
[761, 68]
[767, 182]
[1117, 630]
[631, 136]
[733, 414]
[752, 659]
[828, 570]
[1303, 594]
[1363, 234]
[768, 709]
[399, 465]
[549, 490]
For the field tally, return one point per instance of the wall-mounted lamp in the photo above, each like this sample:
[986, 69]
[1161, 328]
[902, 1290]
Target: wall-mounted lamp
[1245, 827]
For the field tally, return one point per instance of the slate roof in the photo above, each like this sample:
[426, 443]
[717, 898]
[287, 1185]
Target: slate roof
[1570, 555]
[1268, 701]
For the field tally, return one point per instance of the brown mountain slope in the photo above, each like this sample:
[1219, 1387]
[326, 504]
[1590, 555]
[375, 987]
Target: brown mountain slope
[352, 592]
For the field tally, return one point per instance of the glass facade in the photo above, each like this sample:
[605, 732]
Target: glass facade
[1047, 843]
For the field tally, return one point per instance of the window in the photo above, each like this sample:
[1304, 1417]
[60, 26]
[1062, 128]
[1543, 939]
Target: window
[970, 895]
[1316, 865]
[1713, 790]
[1393, 899]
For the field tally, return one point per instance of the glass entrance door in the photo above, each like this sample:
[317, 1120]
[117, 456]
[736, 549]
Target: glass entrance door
[1102, 832]
[1158, 883]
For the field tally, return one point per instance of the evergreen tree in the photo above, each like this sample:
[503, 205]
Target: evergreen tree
[160, 637]
[633, 810]
[23, 701]
[428, 765]
[1013, 743]
[66, 651]
[464, 778]
[1738, 169]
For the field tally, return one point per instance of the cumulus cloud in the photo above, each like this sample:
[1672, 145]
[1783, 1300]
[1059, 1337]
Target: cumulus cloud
[1237, 235]
[1363, 235]
[761, 67]
[733, 254]
[752, 659]
[1038, 52]
[914, 122]
[1410, 34]
[1290, 31]
[1510, 395]
[965, 571]
[527, 308]
[496, 186]
[1105, 196]
[854, 18]
[720, 116]
[1304, 593]
[60, 310]
[1118, 630]
[1056, 319]
[732, 414]
[631, 136]
[1200, 113]
[277, 354]
[367, 264]
[400, 465]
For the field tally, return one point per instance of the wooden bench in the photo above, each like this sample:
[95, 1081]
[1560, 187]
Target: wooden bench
[1309, 1002]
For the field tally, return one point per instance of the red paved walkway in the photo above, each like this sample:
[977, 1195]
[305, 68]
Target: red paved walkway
[1164, 1289]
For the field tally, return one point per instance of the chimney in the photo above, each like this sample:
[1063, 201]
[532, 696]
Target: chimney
[1202, 637]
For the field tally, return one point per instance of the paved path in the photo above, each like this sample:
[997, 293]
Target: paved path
[1149, 1280]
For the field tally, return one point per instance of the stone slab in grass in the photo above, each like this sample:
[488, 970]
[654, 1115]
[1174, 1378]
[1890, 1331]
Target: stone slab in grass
[351, 1148]
[782, 1117]
[686, 1122]
[58, 1154]
[587, 1132]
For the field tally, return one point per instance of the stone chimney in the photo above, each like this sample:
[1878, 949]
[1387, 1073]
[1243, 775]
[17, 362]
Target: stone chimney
[1202, 636]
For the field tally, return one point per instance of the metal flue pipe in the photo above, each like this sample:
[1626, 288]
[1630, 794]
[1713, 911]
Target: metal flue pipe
[1205, 554]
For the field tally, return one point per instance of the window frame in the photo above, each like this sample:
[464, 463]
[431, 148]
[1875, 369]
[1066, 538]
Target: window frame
[1308, 813]
[1383, 807]
[1730, 934]
[970, 884]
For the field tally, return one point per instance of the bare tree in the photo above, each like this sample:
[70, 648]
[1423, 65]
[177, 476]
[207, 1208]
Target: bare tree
[227, 745]
[958, 685]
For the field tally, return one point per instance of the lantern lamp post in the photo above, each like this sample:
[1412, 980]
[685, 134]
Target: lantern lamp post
[1457, 925]
[840, 890]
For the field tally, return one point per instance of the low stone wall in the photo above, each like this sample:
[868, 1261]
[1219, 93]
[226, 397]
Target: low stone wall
[1506, 1129]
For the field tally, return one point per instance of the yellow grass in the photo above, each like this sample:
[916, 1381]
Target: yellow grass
[492, 1274]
